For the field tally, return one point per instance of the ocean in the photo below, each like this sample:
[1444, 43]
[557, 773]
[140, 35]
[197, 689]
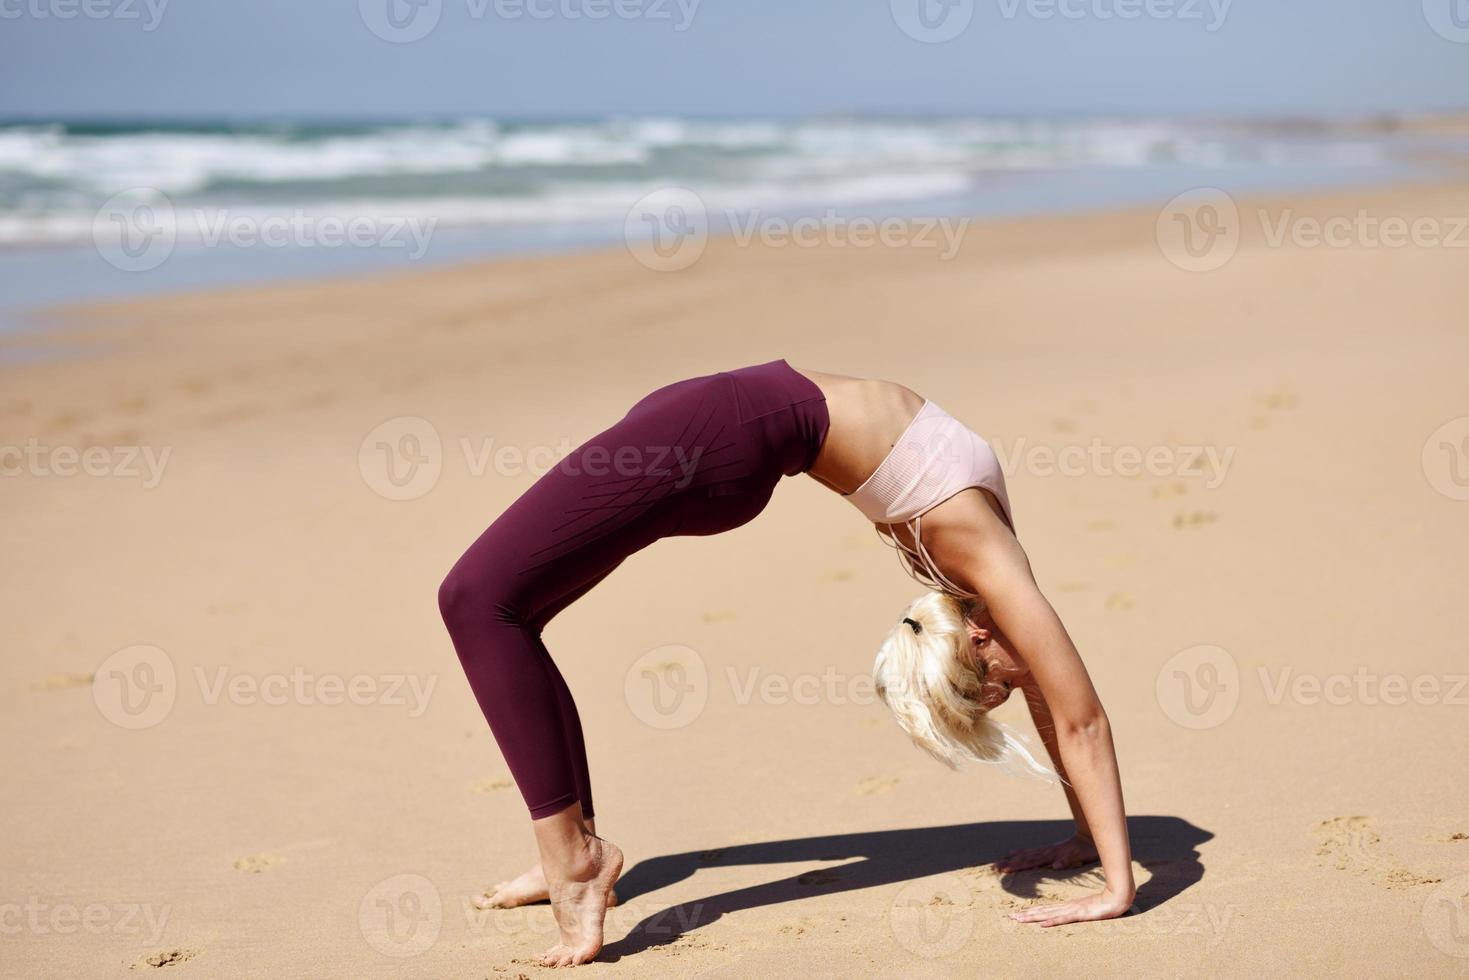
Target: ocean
[82, 205]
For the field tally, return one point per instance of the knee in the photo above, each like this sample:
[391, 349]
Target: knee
[471, 596]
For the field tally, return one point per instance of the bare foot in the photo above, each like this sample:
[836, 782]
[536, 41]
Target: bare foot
[528, 889]
[580, 904]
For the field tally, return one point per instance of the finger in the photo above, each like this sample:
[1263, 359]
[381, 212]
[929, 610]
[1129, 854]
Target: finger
[1062, 920]
[1036, 914]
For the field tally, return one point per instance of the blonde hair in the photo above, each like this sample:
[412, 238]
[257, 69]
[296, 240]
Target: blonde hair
[926, 675]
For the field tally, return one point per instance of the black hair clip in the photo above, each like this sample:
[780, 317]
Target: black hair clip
[917, 626]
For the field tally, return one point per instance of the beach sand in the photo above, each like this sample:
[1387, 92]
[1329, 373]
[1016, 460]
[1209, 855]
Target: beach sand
[240, 743]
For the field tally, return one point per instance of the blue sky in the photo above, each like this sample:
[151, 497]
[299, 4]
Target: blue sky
[321, 58]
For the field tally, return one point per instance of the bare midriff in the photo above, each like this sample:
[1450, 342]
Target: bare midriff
[866, 418]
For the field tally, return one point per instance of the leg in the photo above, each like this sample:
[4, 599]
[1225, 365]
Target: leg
[523, 696]
[530, 887]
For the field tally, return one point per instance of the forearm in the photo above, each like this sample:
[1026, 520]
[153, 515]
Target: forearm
[1096, 791]
[1040, 714]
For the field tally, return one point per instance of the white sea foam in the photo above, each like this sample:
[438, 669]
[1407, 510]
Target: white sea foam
[476, 171]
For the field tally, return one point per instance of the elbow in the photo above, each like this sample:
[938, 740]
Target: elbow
[1088, 726]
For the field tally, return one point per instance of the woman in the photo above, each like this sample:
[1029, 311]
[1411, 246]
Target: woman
[702, 456]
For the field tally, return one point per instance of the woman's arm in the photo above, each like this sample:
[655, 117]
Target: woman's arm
[1076, 850]
[989, 560]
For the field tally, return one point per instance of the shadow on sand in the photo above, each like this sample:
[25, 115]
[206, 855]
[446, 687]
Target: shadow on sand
[1166, 846]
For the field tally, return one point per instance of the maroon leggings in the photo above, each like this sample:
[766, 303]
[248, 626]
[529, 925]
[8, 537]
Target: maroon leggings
[697, 457]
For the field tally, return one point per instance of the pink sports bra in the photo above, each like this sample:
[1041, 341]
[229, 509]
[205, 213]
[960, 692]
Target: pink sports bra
[935, 458]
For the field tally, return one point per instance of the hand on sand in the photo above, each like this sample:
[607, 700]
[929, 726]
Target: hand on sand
[1070, 853]
[1102, 905]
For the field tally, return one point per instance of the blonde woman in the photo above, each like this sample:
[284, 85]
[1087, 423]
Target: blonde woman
[703, 456]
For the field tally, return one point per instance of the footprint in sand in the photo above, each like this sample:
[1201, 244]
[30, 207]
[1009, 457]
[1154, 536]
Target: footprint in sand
[875, 785]
[1193, 518]
[718, 616]
[167, 957]
[225, 416]
[840, 575]
[64, 421]
[122, 437]
[316, 399]
[196, 386]
[489, 785]
[60, 682]
[1167, 491]
[1065, 425]
[1101, 524]
[1279, 400]
[256, 863]
[1353, 844]
[133, 404]
[1120, 600]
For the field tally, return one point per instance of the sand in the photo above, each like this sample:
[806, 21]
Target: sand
[240, 744]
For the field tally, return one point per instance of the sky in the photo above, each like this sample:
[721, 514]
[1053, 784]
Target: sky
[393, 59]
